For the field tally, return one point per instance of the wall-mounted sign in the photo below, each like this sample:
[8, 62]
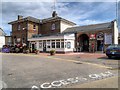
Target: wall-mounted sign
[92, 36]
[108, 38]
[68, 45]
[18, 39]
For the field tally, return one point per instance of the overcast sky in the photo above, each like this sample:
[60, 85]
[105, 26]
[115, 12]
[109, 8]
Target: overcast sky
[82, 13]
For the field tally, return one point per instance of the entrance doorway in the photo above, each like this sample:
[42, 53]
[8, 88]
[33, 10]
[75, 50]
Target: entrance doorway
[99, 45]
[44, 46]
[100, 41]
[84, 43]
[33, 46]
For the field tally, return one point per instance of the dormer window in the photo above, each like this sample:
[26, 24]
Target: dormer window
[19, 27]
[34, 27]
[53, 26]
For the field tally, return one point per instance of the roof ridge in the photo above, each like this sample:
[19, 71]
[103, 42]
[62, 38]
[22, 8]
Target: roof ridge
[90, 25]
[26, 18]
[32, 17]
[51, 18]
[57, 17]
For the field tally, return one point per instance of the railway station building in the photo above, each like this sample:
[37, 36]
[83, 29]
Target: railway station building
[61, 35]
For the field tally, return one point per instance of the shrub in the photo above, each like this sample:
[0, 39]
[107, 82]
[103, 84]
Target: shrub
[17, 50]
[26, 50]
[36, 51]
[52, 52]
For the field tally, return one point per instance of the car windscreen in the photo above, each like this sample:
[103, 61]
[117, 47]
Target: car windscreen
[114, 46]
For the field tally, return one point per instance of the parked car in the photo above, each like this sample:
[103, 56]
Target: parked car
[5, 49]
[113, 51]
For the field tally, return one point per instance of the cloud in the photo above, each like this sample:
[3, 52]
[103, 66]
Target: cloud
[119, 15]
[10, 10]
[89, 12]
[60, 0]
[81, 13]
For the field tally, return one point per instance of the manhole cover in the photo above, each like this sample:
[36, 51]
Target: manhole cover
[10, 74]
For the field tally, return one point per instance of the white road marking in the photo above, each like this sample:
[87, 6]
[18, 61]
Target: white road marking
[2, 85]
[64, 82]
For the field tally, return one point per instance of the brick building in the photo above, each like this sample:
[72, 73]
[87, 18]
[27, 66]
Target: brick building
[24, 28]
[62, 35]
[98, 36]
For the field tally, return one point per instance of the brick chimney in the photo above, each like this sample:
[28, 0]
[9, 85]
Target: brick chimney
[20, 17]
[54, 14]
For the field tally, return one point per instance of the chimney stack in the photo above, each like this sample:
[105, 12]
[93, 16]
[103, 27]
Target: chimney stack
[54, 14]
[20, 17]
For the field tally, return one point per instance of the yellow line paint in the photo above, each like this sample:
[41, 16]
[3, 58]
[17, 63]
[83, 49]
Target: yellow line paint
[67, 60]
[82, 62]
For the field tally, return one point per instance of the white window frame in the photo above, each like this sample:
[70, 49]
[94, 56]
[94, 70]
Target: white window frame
[59, 44]
[34, 26]
[40, 42]
[19, 26]
[48, 44]
[63, 44]
[53, 26]
[54, 44]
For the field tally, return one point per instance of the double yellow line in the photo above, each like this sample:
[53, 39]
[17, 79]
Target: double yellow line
[60, 59]
[98, 65]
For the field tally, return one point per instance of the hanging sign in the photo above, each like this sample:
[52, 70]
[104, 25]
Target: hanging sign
[100, 36]
[92, 36]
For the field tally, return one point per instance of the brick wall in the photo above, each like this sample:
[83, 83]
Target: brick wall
[46, 28]
[94, 41]
[26, 31]
[31, 31]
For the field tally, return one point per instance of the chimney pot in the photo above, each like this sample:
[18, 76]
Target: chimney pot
[54, 14]
[20, 17]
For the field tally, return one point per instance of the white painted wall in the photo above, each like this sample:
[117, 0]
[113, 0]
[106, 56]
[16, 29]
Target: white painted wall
[116, 33]
[64, 26]
[67, 37]
[37, 45]
[2, 41]
[58, 49]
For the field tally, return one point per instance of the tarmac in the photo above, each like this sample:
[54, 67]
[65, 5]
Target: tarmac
[98, 58]
[94, 59]
[103, 83]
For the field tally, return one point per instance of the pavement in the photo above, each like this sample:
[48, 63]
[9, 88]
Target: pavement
[27, 70]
